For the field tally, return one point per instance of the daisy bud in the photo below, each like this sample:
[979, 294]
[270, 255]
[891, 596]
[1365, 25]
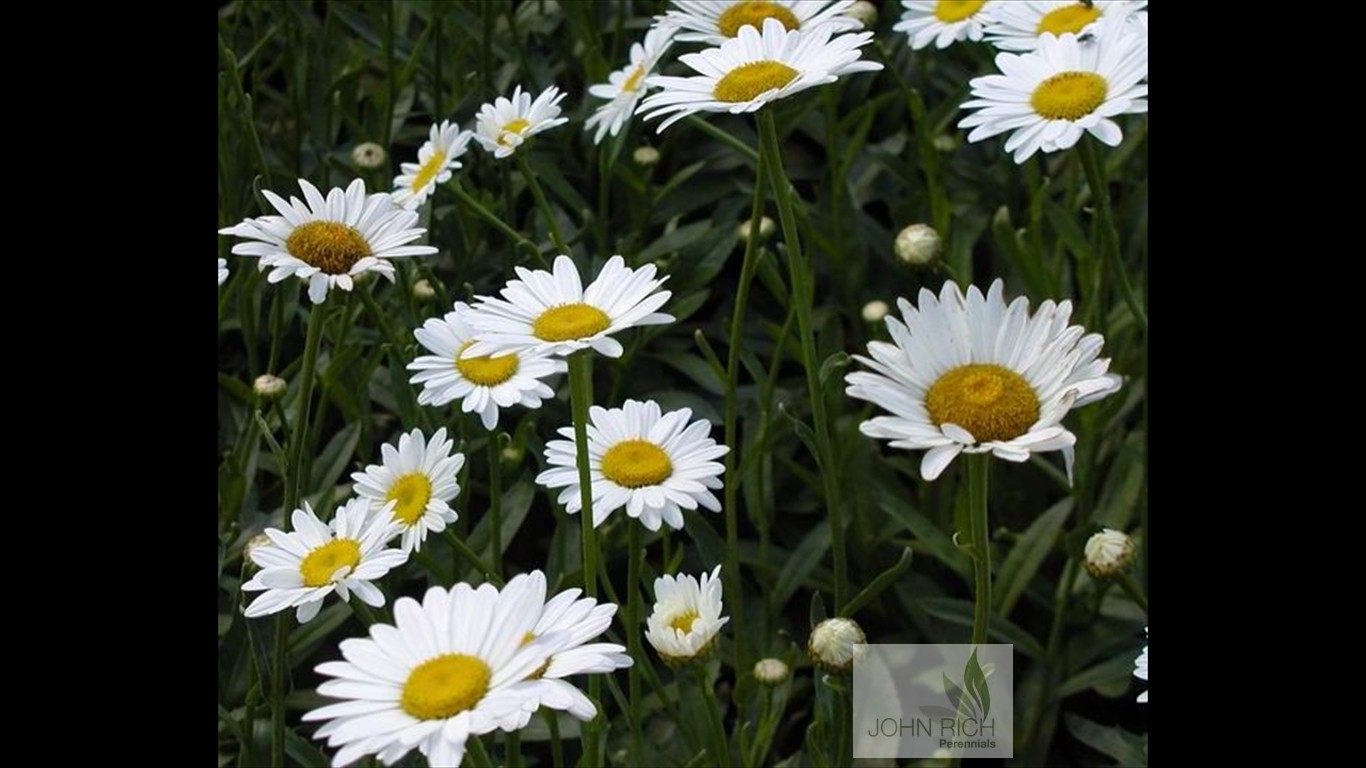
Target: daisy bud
[1108, 553]
[423, 291]
[259, 540]
[646, 156]
[832, 644]
[513, 454]
[918, 245]
[766, 229]
[369, 155]
[945, 142]
[771, 671]
[865, 12]
[269, 387]
[875, 310]
[686, 619]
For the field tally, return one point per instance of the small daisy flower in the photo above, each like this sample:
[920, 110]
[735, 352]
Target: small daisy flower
[972, 375]
[222, 270]
[450, 668]
[756, 68]
[1141, 669]
[625, 86]
[652, 463]
[944, 22]
[435, 161]
[686, 618]
[502, 126]
[300, 568]
[330, 241]
[419, 478]
[553, 313]
[1021, 25]
[1048, 98]
[716, 21]
[483, 384]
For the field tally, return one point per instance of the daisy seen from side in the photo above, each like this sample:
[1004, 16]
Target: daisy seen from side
[414, 485]
[686, 617]
[626, 86]
[222, 270]
[716, 21]
[504, 125]
[944, 22]
[436, 159]
[1020, 25]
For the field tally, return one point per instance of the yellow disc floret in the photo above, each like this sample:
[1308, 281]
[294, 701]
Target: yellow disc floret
[317, 568]
[636, 464]
[330, 246]
[1069, 18]
[1069, 95]
[412, 492]
[990, 401]
[749, 80]
[445, 686]
[949, 11]
[683, 622]
[484, 370]
[570, 321]
[752, 13]
[429, 170]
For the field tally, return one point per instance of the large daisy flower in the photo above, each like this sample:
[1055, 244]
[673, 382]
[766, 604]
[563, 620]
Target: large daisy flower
[330, 241]
[754, 69]
[625, 86]
[686, 617]
[449, 668]
[482, 384]
[435, 161]
[1141, 669]
[553, 313]
[974, 375]
[300, 568]
[652, 463]
[222, 270]
[419, 477]
[1048, 98]
[716, 21]
[1020, 25]
[943, 22]
[502, 126]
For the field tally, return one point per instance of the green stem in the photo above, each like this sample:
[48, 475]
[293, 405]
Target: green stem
[724, 137]
[463, 549]
[580, 399]
[552, 723]
[543, 203]
[498, 224]
[1100, 194]
[362, 611]
[1130, 586]
[636, 558]
[1038, 750]
[720, 745]
[979, 468]
[496, 501]
[802, 295]
[277, 691]
[512, 745]
[477, 754]
[294, 480]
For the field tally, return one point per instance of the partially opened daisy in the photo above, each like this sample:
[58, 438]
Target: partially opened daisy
[300, 568]
[435, 161]
[686, 617]
[1046, 99]
[1141, 669]
[502, 126]
[716, 21]
[754, 69]
[482, 384]
[972, 375]
[419, 478]
[1020, 25]
[943, 22]
[222, 270]
[553, 313]
[330, 241]
[625, 86]
[652, 463]
[449, 668]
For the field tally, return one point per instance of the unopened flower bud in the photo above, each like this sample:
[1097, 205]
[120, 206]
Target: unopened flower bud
[918, 245]
[368, 155]
[832, 644]
[423, 291]
[269, 387]
[645, 156]
[1108, 553]
[770, 671]
[865, 12]
[945, 142]
[766, 229]
[875, 310]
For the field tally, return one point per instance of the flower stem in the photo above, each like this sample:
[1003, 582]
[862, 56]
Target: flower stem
[1110, 255]
[496, 502]
[499, 224]
[1127, 583]
[294, 480]
[580, 399]
[979, 467]
[720, 745]
[724, 137]
[277, 691]
[544, 204]
[463, 550]
[802, 295]
[636, 558]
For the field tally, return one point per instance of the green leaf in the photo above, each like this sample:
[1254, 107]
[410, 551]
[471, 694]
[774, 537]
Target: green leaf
[799, 566]
[975, 680]
[1126, 748]
[884, 580]
[1113, 669]
[959, 612]
[335, 457]
[939, 544]
[1027, 555]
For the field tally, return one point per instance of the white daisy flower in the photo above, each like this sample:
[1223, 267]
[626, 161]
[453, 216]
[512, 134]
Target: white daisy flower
[652, 463]
[222, 270]
[575, 621]
[553, 313]
[973, 375]
[625, 86]
[754, 69]
[300, 568]
[944, 22]
[435, 161]
[330, 241]
[1141, 669]
[686, 617]
[716, 21]
[482, 384]
[419, 477]
[502, 126]
[1048, 98]
[1021, 25]
[450, 668]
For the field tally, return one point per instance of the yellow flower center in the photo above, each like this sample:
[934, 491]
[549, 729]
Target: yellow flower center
[445, 686]
[956, 10]
[1069, 95]
[990, 401]
[752, 13]
[749, 80]
[484, 370]
[516, 126]
[412, 492]
[327, 245]
[636, 464]
[683, 622]
[633, 82]
[429, 170]
[570, 321]
[1069, 18]
[321, 563]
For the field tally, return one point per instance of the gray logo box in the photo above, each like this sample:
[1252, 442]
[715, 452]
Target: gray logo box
[932, 700]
